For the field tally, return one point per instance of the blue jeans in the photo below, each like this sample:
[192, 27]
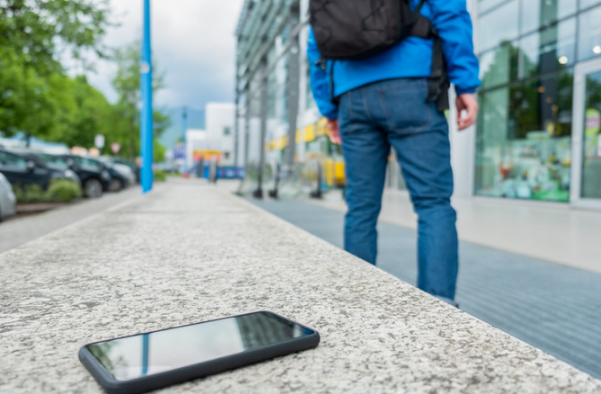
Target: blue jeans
[394, 113]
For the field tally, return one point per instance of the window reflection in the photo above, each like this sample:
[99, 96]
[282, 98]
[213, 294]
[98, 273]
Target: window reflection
[538, 13]
[147, 354]
[587, 3]
[499, 66]
[485, 5]
[498, 26]
[552, 49]
[589, 40]
[591, 166]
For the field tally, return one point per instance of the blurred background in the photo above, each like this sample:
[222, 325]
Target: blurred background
[233, 105]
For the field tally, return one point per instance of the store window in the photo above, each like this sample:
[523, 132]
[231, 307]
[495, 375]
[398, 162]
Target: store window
[499, 66]
[498, 26]
[549, 50]
[584, 4]
[538, 13]
[485, 5]
[523, 141]
[591, 164]
[309, 101]
[589, 44]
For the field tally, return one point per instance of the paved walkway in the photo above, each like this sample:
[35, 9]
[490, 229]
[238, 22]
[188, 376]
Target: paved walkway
[548, 231]
[19, 231]
[552, 307]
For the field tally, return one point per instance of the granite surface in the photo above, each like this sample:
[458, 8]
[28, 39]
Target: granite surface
[192, 252]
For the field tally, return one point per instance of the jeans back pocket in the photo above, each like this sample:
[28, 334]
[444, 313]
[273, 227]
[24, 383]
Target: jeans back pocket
[405, 107]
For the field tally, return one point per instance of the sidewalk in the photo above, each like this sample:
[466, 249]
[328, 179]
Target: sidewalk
[548, 231]
[19, 231]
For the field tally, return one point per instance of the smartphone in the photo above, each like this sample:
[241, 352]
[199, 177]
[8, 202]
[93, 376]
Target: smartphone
[149, 361]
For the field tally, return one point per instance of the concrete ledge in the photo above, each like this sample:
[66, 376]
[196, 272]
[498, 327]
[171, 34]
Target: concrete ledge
[188, 253]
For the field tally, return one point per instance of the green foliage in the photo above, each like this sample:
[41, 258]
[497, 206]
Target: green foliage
[40, 29]
[125, 120]
[38, 98]
[24, 92]
[160, 176]
[29, 194]
[63, 190]
[59, 190]
[33, 35]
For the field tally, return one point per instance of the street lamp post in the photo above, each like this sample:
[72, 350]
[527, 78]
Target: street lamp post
[184, 130]
[146, 126]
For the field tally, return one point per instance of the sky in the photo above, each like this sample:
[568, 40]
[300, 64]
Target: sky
[193, 45]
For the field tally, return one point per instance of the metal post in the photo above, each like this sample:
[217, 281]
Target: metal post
[246, 130]
[146, 132]
[293, 88]
[237, 113]
[264, 86]
[236, 131]
[184, 130]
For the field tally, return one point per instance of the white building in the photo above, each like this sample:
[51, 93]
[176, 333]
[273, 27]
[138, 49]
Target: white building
[217, 139]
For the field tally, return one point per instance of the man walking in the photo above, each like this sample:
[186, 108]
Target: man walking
[388, 99]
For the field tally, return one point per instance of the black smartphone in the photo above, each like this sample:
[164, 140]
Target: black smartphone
[149, 361]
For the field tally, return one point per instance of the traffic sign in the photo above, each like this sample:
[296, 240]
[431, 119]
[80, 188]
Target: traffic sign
[99, 141]
[115, 148]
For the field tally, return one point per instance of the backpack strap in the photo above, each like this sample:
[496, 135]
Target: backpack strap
[422, 26]
[438, 87]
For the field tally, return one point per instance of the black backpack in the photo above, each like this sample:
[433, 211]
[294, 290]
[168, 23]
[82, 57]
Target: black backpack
[357, 29]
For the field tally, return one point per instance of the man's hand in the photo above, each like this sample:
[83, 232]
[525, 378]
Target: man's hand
[333, 131]
[469, 103]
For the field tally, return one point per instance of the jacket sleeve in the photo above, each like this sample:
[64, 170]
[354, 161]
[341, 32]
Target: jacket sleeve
[454, 26]
[320, 82]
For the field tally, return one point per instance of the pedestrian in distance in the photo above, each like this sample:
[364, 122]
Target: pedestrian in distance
[380, 73]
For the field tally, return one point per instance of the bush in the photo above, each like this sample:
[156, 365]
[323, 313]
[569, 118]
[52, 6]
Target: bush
[29, 193]
[160, 176]
[60, 190]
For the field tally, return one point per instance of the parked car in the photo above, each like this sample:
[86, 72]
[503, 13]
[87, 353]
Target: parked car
[94, 176]
[8, 201]
[22, 170]
[123, 175]
[131, 164]
[117, 181]
[57, 167]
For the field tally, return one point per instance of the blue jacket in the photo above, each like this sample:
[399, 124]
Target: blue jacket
[412, 57]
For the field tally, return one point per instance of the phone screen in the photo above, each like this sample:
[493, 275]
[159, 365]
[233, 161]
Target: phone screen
[146, 354]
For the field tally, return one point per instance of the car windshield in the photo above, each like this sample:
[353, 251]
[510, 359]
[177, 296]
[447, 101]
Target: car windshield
[52, 161]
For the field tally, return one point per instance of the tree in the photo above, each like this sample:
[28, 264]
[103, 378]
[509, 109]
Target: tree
[34, 34]
[89, 116]
[38, 105]
[126, 117]
[43, 29]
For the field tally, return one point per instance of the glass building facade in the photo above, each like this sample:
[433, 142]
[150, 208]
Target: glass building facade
[532, 54]
[537, 135]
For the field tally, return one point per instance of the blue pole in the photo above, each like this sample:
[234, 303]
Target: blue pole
[185, 128]
[146, 137]
[145, 353]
